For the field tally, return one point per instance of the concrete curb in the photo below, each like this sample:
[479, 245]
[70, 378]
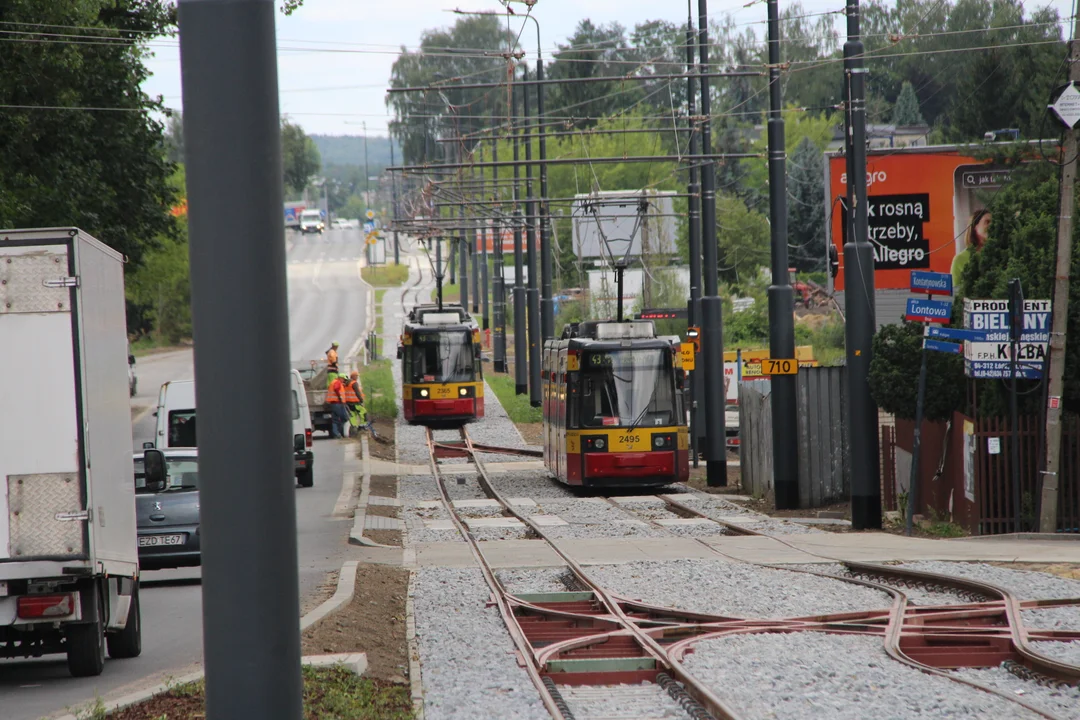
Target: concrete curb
[356, 537]
[343, 506]
[416, 683]
[357, 662]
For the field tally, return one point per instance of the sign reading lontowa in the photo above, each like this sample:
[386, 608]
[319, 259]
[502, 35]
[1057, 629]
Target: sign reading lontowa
[928, 310]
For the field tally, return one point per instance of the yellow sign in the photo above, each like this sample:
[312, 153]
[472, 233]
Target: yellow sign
[781, 366]
[442, 392]
[372, 237]
[687, 350]
[370, 214]
[573, 363]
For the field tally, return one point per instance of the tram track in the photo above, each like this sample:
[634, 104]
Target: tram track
[583, 638]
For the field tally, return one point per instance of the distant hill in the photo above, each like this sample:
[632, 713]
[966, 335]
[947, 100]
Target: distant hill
[349, 150]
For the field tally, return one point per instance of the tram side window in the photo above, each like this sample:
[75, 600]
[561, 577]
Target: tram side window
[627, 387]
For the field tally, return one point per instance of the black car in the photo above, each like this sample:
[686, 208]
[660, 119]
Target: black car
[168, 519]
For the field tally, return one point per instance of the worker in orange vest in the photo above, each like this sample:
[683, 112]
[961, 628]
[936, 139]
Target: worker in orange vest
[353, 400]
[335, 398]
[331, 364]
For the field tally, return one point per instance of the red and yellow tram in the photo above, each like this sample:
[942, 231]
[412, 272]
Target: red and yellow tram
[613, 408]
[443, 380]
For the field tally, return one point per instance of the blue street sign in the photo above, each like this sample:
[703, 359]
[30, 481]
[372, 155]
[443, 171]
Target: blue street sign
[932, 283]
[954, 334]
[942, 346]
[929, 310]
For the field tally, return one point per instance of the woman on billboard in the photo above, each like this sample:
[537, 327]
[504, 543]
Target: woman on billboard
[976, 238]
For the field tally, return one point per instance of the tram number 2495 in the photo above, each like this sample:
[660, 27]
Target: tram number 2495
[629, 439]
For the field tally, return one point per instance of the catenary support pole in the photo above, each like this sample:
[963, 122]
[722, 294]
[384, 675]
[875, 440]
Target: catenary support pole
[785, 413]
[862, 412]
[693, 201]
[463, 242]
[547, 311]
[498, 284]
[481, 234]
[1051, 487]
[521, 345]
[712, 328]
[251, 649]
[394, 206]
[532, 293]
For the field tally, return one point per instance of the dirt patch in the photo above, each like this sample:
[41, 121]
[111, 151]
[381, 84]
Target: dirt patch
[381, 445]
[383, 486]
[1065, 570]
[323, 593]
[374, 623]
[698, 482]
[532, 433]
[389, 511]
[384, 537]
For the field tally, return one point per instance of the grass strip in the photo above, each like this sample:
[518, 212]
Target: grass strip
[329, 693]
[385, 275]
[516, 406]
[378, 383]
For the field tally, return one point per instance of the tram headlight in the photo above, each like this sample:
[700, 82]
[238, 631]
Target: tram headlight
[658, 441]
[663, 441]
[423, 392]
[599, 443]
[463, 391]
[593, 443]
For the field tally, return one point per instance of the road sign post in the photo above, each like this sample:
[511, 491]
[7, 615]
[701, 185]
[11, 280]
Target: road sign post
[250, 591]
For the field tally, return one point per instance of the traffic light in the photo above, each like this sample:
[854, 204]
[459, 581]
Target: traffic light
[693, 334]
[1016, 310]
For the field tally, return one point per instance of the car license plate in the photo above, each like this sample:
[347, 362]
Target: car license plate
[442, 393]
[159, 540]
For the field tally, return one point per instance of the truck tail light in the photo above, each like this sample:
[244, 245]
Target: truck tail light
[307, 437]
[31, 607]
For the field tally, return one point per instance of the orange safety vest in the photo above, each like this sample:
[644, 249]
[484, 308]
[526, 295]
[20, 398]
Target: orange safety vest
[337, 392]
[349, 394]
[331, 359]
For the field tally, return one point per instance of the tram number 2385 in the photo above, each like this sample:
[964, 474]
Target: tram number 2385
[780, 366]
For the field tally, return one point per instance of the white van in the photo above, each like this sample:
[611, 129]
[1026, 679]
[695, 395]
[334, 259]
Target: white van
[176, 422]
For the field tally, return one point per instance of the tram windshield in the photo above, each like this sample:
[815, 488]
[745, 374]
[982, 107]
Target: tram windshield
[627, 387]
[445, 356]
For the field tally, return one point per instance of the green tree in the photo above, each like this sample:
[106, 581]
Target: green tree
[894, 374]
[906, 111]
[300, 157]
[102, 170]
[743, 235]
[592, 51]
[174, 138]
[805, 208]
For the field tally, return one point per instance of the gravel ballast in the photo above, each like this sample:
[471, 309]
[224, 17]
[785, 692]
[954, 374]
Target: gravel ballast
[608, 702]
[734, 589]
[806, 676]
[1023, 584]
[468, 662]
[1056, 618]
[591, 518]
[1067, 651]
[543, 580]
[1063, 702]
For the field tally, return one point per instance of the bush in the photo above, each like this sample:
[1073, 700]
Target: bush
[894, 374]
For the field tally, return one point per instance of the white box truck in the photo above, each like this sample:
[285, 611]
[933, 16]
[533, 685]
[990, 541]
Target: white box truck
[69, 570]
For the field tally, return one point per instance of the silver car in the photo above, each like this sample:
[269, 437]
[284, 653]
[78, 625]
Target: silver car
[168, 518]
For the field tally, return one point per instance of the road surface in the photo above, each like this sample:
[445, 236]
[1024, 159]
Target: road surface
[327, 301]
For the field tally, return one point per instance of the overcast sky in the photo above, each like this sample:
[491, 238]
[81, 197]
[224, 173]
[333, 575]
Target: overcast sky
[339, 79]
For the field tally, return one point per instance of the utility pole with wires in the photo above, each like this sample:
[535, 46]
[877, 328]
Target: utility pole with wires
[521, 346]
[859, 273]
[693, 202]
[785, 424]
[712, 327]
[547, 311]
[1048, 511]
[532, 294]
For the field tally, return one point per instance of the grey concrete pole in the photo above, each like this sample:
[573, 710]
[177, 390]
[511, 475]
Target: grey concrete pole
[498, 285]
[693, 202]
[859, 295]
[394, 205]
[712, 327]
[532, 293]
[785, 427]
[250, 591]
[521, 346]
[547, 307]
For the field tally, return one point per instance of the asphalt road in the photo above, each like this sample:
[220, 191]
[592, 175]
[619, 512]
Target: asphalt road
[327, 302]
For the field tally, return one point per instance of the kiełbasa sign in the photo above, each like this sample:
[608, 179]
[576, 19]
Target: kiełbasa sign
[990, 357]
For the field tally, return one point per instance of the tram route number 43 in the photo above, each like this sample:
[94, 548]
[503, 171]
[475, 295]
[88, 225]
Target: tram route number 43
[779, 366]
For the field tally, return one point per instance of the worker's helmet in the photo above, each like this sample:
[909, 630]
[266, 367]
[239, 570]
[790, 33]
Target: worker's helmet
[354, 374]
[334, 344]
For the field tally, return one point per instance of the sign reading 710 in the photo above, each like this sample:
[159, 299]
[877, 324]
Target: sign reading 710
[779, 366]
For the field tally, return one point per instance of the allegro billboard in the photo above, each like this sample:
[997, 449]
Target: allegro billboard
[919, 206]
